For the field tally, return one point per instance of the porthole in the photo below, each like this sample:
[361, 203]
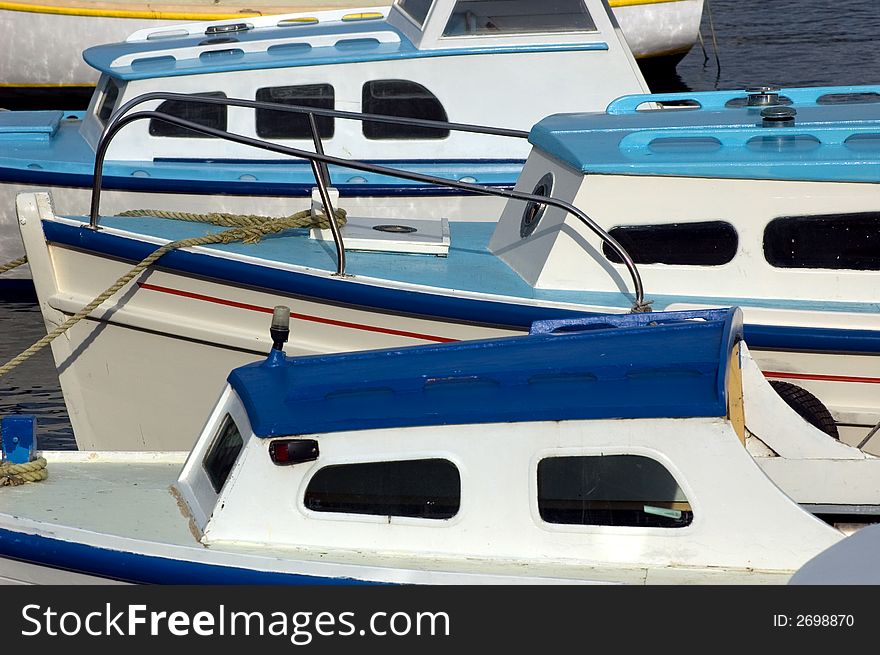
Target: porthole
[534, 211]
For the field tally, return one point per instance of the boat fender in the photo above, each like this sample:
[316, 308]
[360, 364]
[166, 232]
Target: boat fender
[810, 408]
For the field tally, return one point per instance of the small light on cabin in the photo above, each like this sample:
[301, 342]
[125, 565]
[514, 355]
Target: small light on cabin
[293, 451]
[280, 328]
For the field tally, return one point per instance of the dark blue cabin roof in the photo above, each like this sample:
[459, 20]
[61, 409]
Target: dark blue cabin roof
[722, 137]
[660, 365]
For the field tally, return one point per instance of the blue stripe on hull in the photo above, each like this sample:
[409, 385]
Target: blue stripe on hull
[140, 568]
[434, 307]
[228, 187]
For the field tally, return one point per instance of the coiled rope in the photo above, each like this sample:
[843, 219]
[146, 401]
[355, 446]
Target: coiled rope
[249, 229]
[12, 475]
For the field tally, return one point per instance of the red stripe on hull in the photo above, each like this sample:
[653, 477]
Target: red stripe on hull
[821, 378]
[299, 317]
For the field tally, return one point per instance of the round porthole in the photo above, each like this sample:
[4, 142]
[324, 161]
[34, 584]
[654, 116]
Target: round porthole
[534, 211]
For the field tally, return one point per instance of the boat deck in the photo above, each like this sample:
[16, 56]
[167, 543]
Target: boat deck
[469, 270]
[131, 497]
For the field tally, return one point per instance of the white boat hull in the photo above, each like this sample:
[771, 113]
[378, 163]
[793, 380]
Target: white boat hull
[659, 29]
[198, 329]
[71, 27]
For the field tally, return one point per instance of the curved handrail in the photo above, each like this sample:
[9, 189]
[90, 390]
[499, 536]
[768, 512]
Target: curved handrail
[315, 158]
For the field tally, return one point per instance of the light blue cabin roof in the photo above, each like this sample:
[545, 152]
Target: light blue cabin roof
[659, 365]
[723, 137]
[287, 46]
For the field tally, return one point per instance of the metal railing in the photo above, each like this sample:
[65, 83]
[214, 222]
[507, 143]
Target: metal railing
[319, 161]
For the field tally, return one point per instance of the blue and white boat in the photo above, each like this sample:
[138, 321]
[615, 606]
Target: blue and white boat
[659, 32]
[708, 201]
[616, 447]
[508, 64]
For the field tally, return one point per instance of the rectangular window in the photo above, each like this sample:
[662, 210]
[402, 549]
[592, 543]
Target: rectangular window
[708, 243]
[421, 488]
[288, 125]
[202, 113]
[415, 9]
[831, 241]
[518, 17]
[223, 452]
[108, 102]
[401, 98]
[619, 490]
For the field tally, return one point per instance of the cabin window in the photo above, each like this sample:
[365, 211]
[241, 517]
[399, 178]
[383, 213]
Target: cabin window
[287, 125]
[108, 102]
[209, 115]
[415, 9]
[709, 243]
[401, 98]
[618, 490]
[518, 17]
[223, 452]
[420, 488]
[834, 241]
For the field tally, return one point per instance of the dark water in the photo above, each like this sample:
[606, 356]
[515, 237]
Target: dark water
[776, 42]
[782, 43]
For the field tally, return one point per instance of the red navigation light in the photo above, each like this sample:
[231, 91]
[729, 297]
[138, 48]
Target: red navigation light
[293, 451]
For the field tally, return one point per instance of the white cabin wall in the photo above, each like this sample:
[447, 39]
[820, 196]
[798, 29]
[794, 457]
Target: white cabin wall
[616, 200]
[511, 90]
[528, 256]
[739, 514]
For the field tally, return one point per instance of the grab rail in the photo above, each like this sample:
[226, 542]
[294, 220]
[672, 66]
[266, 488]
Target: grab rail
[119, 120]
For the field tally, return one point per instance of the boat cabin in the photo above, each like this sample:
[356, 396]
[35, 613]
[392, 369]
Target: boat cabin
[507, 63]
[614, 446]
[769, 200]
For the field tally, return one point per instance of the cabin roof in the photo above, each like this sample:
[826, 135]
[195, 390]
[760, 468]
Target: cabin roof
[724, 137]
[660, 365]
[281, 45]
[310, 39]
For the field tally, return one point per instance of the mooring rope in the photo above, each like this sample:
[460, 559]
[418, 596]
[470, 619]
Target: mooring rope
[12, 475]
[15, 263]
[252, 232]
[304, 218]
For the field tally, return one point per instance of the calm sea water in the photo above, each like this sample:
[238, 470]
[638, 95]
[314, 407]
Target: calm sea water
[783, 42]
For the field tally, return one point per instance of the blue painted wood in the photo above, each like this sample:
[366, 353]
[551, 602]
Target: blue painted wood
[355, 48]
[129, 566]
[828, 142]
[29, 126]
[674, 366]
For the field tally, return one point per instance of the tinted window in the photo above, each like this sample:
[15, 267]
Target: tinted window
[835, 241]
[690, 244]
[108, 102]
[415, 9]
[518, 16]
[622, 490]
[223, 453]
[197, 112]
[288, 125]
[401, 98]
[423, 488]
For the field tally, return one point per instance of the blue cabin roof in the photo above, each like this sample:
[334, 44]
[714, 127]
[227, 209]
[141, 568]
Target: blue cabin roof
[285, 46]
[659, 365]
[290, 44]
[835, 136]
